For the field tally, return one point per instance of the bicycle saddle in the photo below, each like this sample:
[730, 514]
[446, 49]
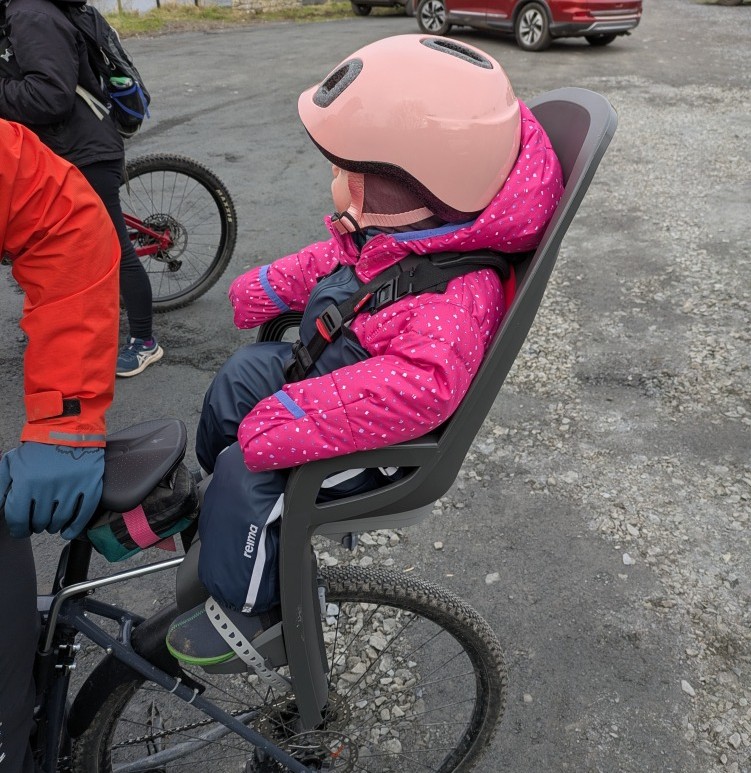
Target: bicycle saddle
[137, 458]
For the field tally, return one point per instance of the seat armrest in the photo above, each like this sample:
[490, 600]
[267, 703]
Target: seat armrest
[305, 482]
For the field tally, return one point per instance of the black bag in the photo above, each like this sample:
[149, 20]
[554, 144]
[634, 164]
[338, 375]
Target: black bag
[119, 78]
[170, 508]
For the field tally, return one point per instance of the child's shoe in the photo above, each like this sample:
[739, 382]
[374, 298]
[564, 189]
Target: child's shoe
[137, 355]
[202, 636]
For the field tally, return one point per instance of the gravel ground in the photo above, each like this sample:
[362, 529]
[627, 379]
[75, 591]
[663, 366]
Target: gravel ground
[651, 440]
[643, 397]
[601, 520]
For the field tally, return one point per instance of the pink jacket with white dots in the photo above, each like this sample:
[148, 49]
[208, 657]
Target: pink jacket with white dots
[424, 349]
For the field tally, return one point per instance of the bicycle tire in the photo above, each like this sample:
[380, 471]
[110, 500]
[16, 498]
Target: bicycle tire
[391, 700]
[171, 191]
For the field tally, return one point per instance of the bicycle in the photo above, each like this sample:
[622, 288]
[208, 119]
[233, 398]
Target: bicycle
[413, 673]
[182, 223]
[367, 670]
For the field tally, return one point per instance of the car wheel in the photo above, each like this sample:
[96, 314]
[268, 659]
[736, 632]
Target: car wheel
[409, 8]
[431, 17]
[532, 28]
[600, 40]
[361, 9]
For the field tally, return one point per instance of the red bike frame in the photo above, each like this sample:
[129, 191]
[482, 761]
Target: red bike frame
[158, 240]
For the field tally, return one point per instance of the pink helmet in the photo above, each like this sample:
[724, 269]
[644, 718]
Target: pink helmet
[437, 115]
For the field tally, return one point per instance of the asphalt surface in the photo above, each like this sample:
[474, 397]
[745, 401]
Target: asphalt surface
[624, 426]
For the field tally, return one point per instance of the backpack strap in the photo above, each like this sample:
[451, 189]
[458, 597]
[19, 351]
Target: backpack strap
[100, 110]
[412, 275]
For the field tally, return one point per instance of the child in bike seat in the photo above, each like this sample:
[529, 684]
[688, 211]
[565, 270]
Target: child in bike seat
[432, 153]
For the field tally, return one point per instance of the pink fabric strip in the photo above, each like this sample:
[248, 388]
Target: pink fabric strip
[138, 527]
[168, 543]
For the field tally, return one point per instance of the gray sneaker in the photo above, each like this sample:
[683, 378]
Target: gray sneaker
[137, 355]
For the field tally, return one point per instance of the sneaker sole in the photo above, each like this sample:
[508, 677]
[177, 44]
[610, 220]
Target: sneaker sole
[193, 661]
[150, 360]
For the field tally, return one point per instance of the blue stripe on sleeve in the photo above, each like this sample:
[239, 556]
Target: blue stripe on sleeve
[289, 404]
[270, 290]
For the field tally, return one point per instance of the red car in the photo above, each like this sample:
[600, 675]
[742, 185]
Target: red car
[534, 23]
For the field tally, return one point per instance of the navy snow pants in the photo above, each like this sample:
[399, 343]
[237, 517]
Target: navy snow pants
[239, 523]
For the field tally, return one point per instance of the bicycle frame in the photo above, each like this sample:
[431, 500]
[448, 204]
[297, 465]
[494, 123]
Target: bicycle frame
[63, 615]
[161, 240]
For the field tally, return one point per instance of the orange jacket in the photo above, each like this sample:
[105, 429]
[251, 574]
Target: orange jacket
[65, 255]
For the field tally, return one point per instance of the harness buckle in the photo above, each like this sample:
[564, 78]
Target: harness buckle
[297, 368]
[385, 294]
[329, 323]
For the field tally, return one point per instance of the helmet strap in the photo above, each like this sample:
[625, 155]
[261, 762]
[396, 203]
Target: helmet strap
[350, 226]
[377, 202]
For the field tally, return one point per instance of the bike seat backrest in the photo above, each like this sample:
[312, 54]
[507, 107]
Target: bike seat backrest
[137, 458]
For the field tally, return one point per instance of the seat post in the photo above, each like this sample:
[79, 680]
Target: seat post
[303, 635]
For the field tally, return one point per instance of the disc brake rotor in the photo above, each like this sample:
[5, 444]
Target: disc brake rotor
[323, 749]
[178, 236]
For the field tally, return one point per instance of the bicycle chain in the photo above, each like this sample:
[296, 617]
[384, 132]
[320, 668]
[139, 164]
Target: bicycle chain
[64, 765]
[173, 730]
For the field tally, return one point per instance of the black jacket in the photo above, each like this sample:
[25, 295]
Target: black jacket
[42, 59]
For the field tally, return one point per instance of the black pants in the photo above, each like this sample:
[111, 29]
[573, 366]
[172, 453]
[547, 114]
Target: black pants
[18, 640]
[105, 178]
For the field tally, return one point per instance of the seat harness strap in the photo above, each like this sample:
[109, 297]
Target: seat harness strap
[413, 275]
[243, 648]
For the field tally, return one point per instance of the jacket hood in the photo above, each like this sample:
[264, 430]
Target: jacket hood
[514, 221]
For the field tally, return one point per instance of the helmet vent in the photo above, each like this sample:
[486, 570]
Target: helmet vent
[458, 50]
[337, 82]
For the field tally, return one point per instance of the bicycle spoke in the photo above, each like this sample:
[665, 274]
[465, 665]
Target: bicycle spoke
[416, 683]
[179, 751]
[193, 217]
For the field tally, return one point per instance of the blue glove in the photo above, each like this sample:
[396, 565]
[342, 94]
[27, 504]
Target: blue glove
[56, 488]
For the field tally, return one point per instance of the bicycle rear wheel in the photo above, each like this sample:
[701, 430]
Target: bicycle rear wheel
[417, 682]
[182, 223]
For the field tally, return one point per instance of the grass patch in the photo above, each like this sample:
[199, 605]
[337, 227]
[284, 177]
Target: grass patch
[175, 18]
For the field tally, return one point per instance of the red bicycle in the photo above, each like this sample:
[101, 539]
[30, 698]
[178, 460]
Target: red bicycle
[181, 220]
